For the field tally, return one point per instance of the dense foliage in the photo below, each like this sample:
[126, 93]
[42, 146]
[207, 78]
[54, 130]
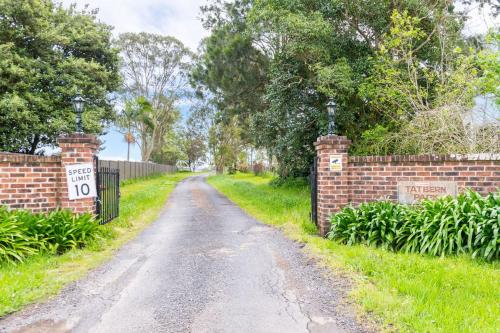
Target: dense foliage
[468, 224]
[23, 234]
[270, 66]
[47, 54]
[426, 107]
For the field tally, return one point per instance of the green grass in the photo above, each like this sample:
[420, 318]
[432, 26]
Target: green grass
[402, 292]
[44, 275]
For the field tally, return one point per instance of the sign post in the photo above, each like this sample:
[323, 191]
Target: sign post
[81, 181]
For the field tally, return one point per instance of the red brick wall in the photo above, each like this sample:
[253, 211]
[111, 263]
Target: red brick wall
[29, 182]
[76, 149]
[38, 183]
[333, 187]
[372, 178]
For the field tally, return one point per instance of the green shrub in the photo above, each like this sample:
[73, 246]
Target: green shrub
[23, 234]
[467, 224]
[62, 230]
[290, 182]
[15, 242]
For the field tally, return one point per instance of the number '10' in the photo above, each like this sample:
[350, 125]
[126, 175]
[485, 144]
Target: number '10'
[84, 189]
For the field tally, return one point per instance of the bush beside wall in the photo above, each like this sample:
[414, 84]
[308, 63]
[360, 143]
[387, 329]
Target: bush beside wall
[23, 234]
[468, 224]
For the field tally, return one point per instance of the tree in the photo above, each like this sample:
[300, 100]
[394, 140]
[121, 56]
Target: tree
[226, 145]
[47, 54]
[172, 150]
[230, 71]
[154, 68]
[126, 120]
[321, 50]
[487, 60]
[427, 105]
[194, 142]
[150, 126]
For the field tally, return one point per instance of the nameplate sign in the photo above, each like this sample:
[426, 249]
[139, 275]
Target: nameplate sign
[412, 192]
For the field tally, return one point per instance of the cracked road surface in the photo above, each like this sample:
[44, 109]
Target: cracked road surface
[203, 266]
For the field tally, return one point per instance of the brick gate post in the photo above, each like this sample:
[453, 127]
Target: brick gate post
[332, 171]
[75, 149]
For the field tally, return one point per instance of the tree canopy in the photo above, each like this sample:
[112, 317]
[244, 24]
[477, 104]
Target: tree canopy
[47, 54]
[270, 66]
[154, 70]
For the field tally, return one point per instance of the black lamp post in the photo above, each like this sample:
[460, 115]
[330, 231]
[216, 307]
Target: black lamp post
[331, 107]
[79, 105]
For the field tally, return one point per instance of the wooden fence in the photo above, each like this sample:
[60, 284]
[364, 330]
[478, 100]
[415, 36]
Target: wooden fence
[131, 170]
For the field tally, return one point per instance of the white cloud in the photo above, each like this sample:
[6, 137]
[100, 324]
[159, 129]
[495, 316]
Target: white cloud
[480, 18]
[178, 18]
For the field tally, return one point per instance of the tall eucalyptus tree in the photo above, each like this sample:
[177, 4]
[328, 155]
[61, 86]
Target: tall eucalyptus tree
[154, 68]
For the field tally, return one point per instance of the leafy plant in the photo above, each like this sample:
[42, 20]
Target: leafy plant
[62, 230]
[467, 224]
[15, 243]
[45, 57]
[23, 234]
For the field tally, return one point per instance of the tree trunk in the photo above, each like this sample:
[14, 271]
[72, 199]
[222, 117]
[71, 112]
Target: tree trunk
[34, 144]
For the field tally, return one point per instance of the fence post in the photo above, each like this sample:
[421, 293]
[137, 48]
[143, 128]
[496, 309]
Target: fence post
[76, 149]
[333, 170]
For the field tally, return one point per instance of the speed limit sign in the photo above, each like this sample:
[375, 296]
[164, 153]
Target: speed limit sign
[81, 181]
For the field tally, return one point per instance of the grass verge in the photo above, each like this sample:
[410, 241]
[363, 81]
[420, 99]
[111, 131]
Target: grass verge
[44, 275]
[404, 292]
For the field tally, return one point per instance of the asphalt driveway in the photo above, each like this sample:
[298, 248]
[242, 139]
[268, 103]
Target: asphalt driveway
[203, 266]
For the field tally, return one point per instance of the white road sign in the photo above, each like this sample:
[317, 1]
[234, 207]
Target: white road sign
[81, 181]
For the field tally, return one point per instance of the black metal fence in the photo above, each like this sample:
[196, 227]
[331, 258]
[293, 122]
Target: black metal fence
[131, 170]
[313, 181]
[108, 177]
[108, 193]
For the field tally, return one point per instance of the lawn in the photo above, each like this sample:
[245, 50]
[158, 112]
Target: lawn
[44, 275]
[403, 292]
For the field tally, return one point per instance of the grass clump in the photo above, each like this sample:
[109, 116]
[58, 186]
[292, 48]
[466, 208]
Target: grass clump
[23, 234]
[468, 224]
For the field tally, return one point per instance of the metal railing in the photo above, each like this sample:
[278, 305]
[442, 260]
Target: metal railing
[131, 170]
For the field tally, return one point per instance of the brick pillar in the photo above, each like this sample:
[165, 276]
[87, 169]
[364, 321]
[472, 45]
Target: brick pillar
[332, 185]
[76, 149]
